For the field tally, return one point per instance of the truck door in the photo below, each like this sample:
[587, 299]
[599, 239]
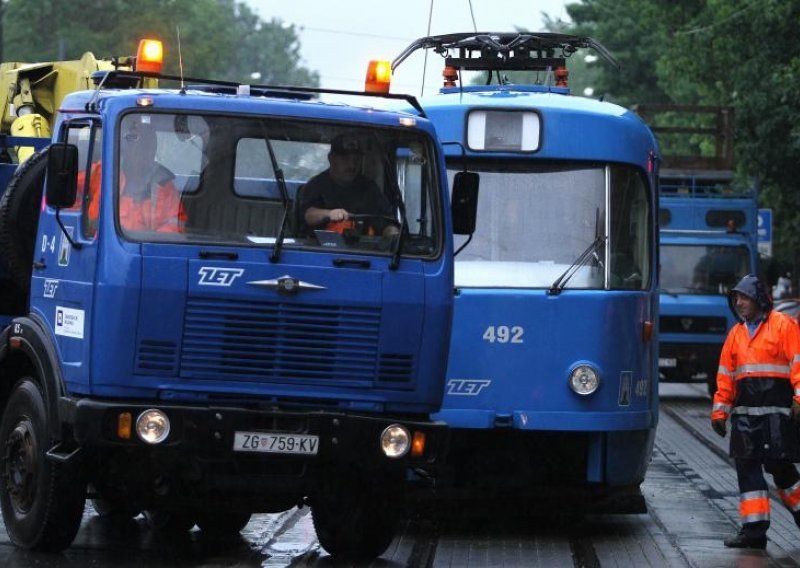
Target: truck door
[65, 257]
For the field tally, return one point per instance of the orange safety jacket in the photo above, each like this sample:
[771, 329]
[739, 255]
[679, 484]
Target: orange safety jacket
[163, 211]
[757, 379]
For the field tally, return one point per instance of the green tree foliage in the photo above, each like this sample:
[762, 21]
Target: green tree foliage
[222, 39]
[742, 53]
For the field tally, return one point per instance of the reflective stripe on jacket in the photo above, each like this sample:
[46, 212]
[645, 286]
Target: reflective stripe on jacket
[757, 379]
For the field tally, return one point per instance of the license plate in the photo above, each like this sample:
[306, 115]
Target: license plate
[274, 443]
[667, 362]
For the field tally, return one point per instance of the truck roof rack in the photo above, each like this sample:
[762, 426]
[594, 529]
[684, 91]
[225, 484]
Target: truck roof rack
[505, 51]
[130, 79]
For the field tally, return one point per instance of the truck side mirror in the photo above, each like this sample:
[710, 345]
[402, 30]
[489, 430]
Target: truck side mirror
[464, 205]
[62, 175]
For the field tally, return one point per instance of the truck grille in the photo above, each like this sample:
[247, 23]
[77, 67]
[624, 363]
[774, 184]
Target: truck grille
[241, 340]
[692, 324]
[157, 357]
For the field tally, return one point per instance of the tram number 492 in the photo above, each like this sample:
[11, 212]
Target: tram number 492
[504, 334]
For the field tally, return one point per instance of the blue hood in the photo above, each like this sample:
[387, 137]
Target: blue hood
[754, 289]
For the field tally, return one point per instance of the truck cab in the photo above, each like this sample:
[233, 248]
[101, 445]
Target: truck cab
[182, 342]
[707, 245]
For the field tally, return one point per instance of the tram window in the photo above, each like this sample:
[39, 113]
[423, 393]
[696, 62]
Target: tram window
[537, 220]
[630, 239]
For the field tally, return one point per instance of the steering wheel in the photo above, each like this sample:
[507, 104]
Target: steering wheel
[362, 221]
[364, 216]
[358, 222]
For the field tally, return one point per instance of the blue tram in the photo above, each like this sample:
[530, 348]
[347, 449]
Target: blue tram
[552, 378]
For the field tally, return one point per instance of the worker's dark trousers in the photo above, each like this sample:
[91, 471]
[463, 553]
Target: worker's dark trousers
[754, 498]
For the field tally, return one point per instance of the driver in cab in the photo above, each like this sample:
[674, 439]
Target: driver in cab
[331, 199]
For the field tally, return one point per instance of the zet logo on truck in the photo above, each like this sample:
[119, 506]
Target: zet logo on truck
[213, 276]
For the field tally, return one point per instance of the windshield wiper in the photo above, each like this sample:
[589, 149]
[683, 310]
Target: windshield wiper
[590, 252]
[398, 243]
[281, 182]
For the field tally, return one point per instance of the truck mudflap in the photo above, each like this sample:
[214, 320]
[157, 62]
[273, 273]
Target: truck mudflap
[315, 436]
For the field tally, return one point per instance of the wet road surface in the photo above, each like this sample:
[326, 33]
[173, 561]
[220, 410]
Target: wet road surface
[690, 490]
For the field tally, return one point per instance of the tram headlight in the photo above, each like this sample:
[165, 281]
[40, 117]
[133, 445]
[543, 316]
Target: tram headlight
[395, 441]
[584, 380]
[152, 426]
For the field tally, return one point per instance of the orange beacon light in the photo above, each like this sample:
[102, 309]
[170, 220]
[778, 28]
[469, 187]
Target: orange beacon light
[379, 77]
[150, 56]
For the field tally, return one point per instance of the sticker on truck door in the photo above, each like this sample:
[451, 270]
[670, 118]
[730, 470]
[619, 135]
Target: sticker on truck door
[69, 322]
[64, 247]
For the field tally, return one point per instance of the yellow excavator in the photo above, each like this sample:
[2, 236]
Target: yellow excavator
[31, 93]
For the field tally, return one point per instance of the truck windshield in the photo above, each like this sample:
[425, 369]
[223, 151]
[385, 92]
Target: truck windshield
[535, 220]
[702, 269]
[202, 178]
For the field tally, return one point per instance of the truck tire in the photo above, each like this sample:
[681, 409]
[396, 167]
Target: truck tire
[19, 217]
[42, 500]
[356, 516]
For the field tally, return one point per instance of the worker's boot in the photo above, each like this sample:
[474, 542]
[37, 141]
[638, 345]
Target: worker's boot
[741, 540]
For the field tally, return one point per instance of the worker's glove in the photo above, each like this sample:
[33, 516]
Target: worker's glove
[720, 426]
[796, 411]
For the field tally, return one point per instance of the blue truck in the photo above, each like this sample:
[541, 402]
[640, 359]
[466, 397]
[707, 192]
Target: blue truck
[231, 361]
[708, 236]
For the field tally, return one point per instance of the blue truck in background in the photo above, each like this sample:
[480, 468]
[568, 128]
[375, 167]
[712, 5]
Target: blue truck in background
[708, 236]
[238, 362]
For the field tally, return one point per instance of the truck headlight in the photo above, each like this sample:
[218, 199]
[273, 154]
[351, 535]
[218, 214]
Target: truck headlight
[395, 441]
[152, 426]
[584, 380]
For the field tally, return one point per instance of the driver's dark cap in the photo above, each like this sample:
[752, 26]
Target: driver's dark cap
[346, 144]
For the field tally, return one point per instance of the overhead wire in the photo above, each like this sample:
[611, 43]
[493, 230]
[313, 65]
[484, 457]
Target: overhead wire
[472, 14]
[425, 59]
[430, 20]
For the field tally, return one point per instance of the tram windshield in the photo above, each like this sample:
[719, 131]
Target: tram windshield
[699, 269]
[535, 221]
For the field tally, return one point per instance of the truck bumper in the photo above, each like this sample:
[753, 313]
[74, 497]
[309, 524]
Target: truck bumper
[197, 467]
[209, 431]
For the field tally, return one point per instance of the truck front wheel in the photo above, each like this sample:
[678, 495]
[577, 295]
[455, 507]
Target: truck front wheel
[356, 515]
[42, 500]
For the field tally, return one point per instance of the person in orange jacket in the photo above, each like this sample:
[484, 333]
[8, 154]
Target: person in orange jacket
[758, 388]
[148, 198]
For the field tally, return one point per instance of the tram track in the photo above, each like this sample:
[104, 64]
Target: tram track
[692, 429]
[502, 535]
